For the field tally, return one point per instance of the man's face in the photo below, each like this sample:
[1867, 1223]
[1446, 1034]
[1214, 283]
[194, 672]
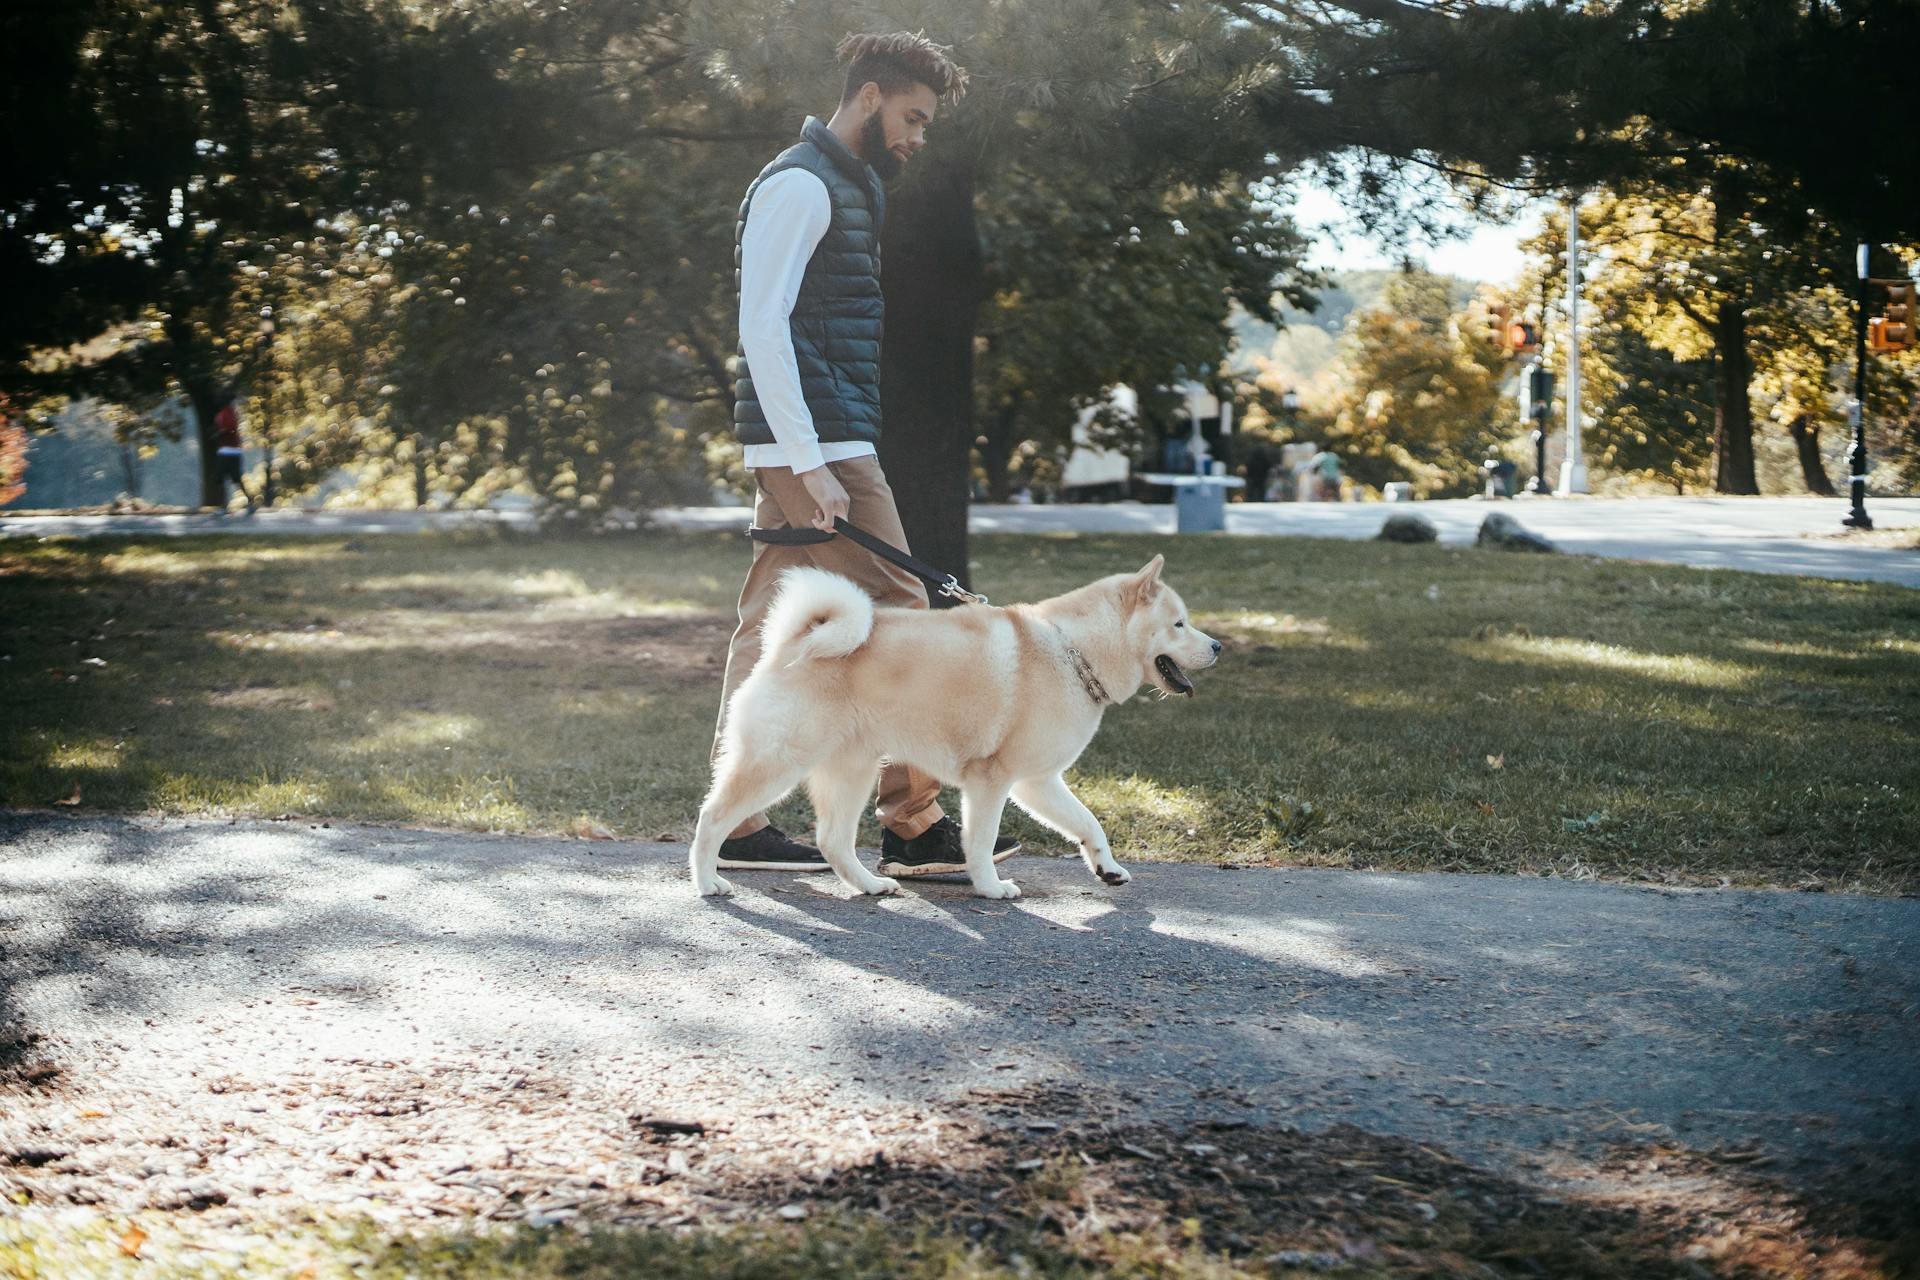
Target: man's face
[897, 127]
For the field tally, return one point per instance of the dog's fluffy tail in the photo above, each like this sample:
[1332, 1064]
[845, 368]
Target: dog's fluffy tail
[816, 615]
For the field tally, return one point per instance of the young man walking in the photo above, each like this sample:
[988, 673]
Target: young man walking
[230, 457]
[807, 396]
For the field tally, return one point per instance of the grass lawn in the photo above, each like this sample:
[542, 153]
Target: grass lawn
[1414, 708]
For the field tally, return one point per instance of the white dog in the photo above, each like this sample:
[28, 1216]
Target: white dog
[999, 702]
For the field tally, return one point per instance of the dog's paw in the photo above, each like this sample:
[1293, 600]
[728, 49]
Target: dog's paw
[1116, 874]
[720, 888]
[1001, 889]
[883, 886]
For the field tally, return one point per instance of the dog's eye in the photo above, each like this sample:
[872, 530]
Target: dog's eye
[1178, 625]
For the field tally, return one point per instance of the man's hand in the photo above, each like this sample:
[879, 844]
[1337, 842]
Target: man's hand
[825, 490]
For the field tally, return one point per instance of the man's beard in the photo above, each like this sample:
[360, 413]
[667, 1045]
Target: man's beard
[874, 149]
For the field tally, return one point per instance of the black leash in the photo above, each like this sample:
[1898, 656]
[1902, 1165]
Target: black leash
[945, 583]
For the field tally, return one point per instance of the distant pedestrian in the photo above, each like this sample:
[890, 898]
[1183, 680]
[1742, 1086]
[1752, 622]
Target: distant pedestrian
[1325, 468]
[229, 455]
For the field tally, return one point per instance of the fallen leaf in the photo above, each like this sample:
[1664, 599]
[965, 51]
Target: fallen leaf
[592, 831]
[130, 1243]
[72, 801]
[1497, 762]
[1483, 806]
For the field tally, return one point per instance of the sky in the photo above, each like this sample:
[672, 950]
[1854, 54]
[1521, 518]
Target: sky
[1484, 252]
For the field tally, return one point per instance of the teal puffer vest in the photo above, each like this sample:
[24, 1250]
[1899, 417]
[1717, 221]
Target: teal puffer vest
[837, 319]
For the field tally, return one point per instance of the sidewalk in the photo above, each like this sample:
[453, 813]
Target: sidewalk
[1526, 1022]
[1762, 535]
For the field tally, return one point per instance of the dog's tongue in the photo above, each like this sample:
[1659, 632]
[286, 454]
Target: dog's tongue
[1174, 675]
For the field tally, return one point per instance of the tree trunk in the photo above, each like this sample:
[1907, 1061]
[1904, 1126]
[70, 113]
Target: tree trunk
[1732, 408]
[934, 278]
[419, 471]
[1806, 441]
[191, 372]
[202, 396]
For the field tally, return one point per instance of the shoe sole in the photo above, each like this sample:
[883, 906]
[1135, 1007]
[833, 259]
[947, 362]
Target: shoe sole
[729, 864]
[900, 870]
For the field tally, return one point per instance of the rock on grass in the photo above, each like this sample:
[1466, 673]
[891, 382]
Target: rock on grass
[1504, 533]
[1406, 526]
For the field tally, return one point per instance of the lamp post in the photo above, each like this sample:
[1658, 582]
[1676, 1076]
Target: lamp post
[1857, 411]
[267, 487]
[1573, 468]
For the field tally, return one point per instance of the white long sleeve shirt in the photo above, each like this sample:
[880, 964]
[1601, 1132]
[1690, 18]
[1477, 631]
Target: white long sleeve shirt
[785, 222]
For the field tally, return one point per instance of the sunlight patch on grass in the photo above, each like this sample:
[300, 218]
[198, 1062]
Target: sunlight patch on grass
[197, 793]
[1800, 649]
[274, 698]
[1281, 629]
[1136, 802]
[412, 731]
[1559, 651]
[97, 754]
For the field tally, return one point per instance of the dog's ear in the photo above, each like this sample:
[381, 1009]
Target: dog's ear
[1139, 588]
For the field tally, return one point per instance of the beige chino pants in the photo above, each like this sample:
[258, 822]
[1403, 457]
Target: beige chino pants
[908, 801]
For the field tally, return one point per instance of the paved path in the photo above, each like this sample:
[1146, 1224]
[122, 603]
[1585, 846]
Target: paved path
[1520, 1020]
[1761, 535]
[1764, 535]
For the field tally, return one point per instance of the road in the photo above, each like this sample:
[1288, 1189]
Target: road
[1518, 1020]
[1762, 535]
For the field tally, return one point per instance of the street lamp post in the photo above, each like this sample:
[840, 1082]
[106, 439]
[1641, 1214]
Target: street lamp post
[267, 487]
[1573, 468]
[1857, 411]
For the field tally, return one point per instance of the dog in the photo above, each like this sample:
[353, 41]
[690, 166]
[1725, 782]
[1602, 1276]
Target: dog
[999, 702]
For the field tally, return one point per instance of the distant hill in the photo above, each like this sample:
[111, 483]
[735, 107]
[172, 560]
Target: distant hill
[1304, 349]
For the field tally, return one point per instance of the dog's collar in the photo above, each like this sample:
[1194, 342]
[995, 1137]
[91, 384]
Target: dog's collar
[1088, 680]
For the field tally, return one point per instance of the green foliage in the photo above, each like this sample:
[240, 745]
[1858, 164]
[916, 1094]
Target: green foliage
[180, 169]
[1418, 391]
[1652, 414]
[1090, 287]
[1712, 305]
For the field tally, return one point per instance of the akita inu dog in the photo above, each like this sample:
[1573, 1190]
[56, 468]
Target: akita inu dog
[997, 701]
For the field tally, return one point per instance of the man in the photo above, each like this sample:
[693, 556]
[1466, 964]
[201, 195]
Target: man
[807, 396]
[228, 455]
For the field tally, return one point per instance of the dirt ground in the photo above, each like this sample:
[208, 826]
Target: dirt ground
[453, 1143]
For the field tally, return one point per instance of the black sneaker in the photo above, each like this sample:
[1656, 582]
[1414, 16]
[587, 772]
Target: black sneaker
[935, 851]
[770, 849]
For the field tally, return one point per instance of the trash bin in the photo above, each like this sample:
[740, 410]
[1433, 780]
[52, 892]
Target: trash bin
[1200, 506]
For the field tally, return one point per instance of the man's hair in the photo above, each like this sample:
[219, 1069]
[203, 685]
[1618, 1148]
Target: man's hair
[897, 62]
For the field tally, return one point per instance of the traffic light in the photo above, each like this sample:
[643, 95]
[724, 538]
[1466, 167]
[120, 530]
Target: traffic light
[1892, 330]
[1536, 394]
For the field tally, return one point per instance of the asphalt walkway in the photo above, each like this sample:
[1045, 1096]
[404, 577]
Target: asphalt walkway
[1515, 1019]
[1763, 535]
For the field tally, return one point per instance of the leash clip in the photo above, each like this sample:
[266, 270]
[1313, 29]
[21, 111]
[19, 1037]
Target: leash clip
[952, 588]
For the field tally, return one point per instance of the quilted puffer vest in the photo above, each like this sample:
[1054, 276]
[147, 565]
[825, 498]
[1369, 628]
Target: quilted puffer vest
[837, 319]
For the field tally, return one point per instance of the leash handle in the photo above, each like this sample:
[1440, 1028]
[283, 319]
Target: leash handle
[945, 583]
[788, 537]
